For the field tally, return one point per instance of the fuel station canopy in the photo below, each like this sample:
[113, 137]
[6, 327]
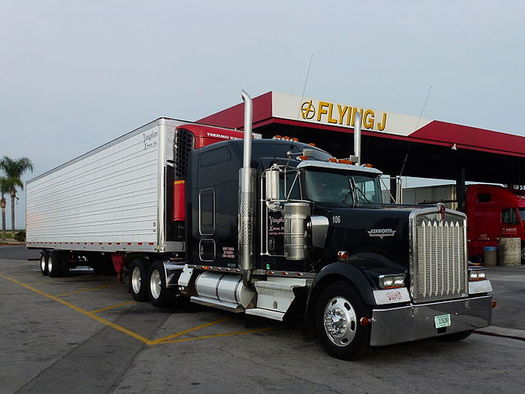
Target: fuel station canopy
[392, 142]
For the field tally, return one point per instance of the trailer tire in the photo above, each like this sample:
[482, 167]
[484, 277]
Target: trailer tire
[159, 295]
[64, 263]
[337, 315]
[138, 281]
[54, 264]
[457, 336]
[44, 269]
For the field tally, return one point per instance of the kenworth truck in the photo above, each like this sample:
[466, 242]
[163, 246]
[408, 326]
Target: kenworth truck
[266, 227]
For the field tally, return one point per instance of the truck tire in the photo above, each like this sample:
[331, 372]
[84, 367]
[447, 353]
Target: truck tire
[54, 264]
[159, 295]
[523, 253]
[138, 281]
[457, 336]
[64, 263]
[43, 263]
[337, 316]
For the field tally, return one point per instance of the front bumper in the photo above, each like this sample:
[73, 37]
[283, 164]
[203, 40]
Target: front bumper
[416, 321]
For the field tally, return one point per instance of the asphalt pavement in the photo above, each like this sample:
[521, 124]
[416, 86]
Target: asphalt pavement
[85, 334]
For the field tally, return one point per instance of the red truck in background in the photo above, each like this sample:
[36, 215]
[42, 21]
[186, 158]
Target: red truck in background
[493, 212]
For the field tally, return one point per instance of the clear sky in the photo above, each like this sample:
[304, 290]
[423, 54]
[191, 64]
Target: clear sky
[75, 74]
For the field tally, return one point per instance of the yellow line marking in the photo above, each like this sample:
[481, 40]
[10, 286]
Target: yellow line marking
[178, 334]
[80, 310]
[133, 334]
[220, 335]
[85, 290]
[113, 306]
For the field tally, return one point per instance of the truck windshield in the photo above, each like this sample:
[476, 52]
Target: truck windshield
[522, 214]
[342, 188]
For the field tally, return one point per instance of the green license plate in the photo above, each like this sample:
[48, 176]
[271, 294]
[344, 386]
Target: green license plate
[442, 321]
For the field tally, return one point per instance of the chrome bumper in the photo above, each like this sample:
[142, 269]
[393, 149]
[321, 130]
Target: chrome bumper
[416, 321]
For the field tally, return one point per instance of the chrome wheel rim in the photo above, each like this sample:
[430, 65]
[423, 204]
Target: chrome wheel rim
[43, 264]
[155, 284]
[340, 321]
[136, 280]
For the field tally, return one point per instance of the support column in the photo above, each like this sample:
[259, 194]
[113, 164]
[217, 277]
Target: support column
[461, 190]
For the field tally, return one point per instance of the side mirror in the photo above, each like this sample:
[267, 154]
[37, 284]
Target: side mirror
[272, 188]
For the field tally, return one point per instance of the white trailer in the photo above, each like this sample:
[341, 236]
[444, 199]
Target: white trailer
[109, 199]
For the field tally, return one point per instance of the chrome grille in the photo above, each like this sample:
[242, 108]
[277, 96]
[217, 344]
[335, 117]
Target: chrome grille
[438, 260]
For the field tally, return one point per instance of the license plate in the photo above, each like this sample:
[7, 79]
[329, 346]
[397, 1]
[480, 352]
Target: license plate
[442, 321]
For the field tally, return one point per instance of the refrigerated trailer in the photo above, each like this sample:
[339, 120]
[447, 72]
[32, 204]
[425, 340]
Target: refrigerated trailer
[120, 197]
[274, 228]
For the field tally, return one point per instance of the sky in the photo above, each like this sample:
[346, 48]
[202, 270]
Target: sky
[76, 74]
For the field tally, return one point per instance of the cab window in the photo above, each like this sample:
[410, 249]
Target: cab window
[509, 216]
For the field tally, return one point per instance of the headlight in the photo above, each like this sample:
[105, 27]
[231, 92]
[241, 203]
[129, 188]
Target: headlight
[477, 274]
[391, 281]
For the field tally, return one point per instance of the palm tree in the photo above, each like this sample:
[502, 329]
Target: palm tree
[4, 188]
[13, 170]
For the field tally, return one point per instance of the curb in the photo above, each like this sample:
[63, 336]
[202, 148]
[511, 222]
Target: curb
[504, 332]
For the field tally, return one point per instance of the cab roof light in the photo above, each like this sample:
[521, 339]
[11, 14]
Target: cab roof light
[277, 137]
[368, 165]
[311, 144]
[340, 161]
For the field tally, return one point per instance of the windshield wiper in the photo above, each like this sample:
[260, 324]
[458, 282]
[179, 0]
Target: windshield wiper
[355, 189]
[352, 185]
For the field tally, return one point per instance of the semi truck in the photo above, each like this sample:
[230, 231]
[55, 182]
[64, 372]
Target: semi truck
[493, 212]
[274, 228]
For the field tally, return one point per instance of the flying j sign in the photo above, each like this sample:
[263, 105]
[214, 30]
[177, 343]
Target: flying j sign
[343, 115]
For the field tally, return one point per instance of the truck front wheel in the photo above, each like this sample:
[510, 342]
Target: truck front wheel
[337, 317]
[138, 284]
[159, 295]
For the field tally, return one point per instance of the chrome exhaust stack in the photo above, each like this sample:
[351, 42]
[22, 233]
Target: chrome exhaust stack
[356, 158]
[247, 197]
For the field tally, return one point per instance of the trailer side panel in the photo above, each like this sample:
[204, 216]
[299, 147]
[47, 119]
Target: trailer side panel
[107, 199]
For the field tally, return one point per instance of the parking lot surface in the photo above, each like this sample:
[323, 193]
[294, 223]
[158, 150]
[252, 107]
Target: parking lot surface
[85, 334]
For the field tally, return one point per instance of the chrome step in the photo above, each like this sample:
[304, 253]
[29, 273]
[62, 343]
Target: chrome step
[217, 304]
[273, 315]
